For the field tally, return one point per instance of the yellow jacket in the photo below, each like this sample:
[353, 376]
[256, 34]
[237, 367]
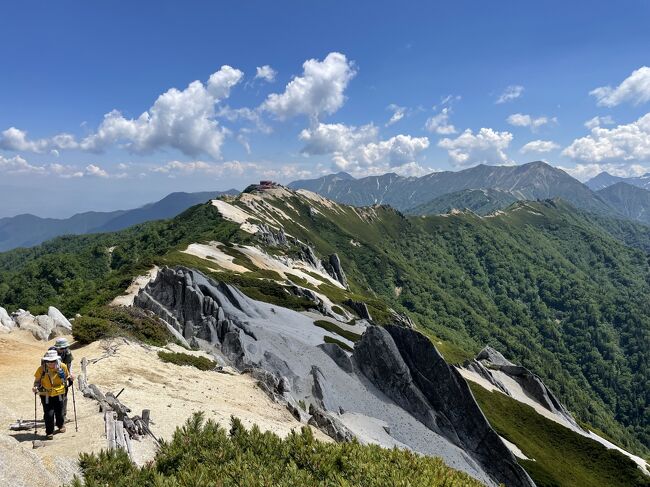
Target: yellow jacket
[50, 381]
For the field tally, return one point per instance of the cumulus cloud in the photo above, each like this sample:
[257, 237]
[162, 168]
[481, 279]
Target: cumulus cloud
[598, 121]
[320, 89]
[336, 137]
[180, 119]
[512, 92]
[539, 146]
[630, 143]
[19, 165]
[14, 139]
[359, 150]
[634, 89]
[439, 123]
[95, 171]
[487, 146]
[584, 172]
[398, 114]
[381, 155]
[523, 120]
[266, 73]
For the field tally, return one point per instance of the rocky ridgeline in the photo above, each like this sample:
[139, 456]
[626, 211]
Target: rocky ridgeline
[394, 389]
[490, 360]
[42, 327]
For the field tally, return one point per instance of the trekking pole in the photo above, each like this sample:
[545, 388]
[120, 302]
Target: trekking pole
[35, 424]
[74, 407]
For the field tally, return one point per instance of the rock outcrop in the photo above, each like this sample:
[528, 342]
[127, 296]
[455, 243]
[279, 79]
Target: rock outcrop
[6, 322]
[42, 327]
[394, 389]
[532, 384]
[271, 237]
[333, 267]
[406, 366]
[360, 308]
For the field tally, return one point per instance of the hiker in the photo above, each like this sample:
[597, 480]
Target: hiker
[50, 380]
[62, 348]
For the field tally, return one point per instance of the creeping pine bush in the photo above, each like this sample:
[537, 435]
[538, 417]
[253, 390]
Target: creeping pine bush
[107, 322]
[200, 363]
[203, 454]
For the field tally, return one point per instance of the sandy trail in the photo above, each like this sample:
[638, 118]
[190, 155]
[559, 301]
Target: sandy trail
[171, 392]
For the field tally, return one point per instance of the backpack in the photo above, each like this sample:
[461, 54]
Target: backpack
[59, 371]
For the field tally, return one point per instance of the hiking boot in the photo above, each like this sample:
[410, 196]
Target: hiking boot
[49, 437]
[62, 429]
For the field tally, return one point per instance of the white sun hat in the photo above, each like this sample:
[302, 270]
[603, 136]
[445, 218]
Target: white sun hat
[51, 356]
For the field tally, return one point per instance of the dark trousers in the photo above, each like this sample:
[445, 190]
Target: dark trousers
[52, 412]
[65, 404]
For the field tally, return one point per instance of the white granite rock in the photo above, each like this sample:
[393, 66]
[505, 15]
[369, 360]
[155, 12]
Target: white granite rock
[58, 318]
[5, 319]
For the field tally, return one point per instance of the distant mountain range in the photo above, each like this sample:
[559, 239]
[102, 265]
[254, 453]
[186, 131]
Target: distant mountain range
[604, 179]
[29, 230]
[532, 181]
[630, 201]
[484, 189]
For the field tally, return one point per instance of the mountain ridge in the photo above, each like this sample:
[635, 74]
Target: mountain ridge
[531, 181]
[27, 230]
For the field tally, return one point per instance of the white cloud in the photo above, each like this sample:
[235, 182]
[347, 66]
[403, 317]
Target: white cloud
[598, 121]
[358, 150]
[18, 165]
[379, 156]
[246, 114]
[522, 120]
[630, 143]
[539, 146]
[634, 89]
[182, 120]
[266, 73]
[449, 100]
[439, 123]
[512, 92]
[398, 114]
[95, 171]
[243, 140]
[320, 89]
[227, 168]
[336, 137]
[14, 139]
[485, 147]
[412, 169]
[584, 172]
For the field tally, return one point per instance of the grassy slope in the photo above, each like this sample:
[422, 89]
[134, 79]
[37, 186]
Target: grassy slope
[562, 457]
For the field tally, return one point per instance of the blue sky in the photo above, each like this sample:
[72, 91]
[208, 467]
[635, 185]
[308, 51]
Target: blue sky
[287, 90]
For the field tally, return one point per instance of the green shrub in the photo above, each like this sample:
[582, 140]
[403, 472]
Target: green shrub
[343, 345]
[203, 454]
[338, 310]
[200, 363]
[334, 328]
[108, 322]
[88, 329]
